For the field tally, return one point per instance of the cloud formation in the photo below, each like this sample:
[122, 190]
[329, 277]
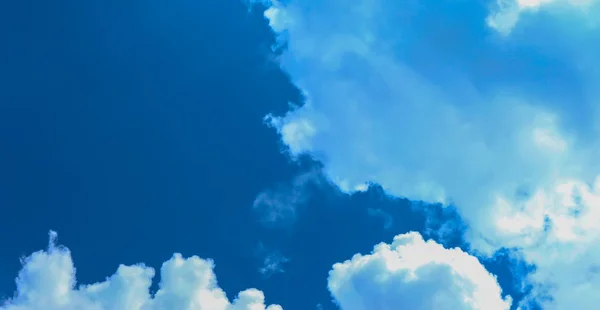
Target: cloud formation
[436, 104]
[47, 281]
[414, 274]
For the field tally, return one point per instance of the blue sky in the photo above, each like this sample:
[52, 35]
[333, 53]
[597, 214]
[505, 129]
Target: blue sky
[308, 155]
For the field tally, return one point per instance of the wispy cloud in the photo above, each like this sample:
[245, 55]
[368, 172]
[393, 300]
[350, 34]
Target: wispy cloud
[279, 205]
[272, 261]
[385, 217]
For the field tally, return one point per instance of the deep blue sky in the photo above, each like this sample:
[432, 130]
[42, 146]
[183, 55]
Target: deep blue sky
[135, 129]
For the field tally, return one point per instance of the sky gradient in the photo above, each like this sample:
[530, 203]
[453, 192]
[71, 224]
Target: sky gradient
[246, 155]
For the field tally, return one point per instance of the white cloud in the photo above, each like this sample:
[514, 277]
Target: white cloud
[47, 282]
[444, 113]
[278, 20]
[506, 15]
[413, 274]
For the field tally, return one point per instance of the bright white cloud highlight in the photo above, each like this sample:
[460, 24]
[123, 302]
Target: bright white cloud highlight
[506, 15]
[47, 282]
[431, 107]
[414, 274]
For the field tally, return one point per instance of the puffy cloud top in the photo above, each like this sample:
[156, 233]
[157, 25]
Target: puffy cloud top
[47, 282]
[413, 274]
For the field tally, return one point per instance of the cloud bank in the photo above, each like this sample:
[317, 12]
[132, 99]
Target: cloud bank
[47, 281]
[411, 273]
[439, 102]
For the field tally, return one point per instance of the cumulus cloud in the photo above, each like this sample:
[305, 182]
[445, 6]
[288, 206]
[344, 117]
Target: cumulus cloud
[47, 281]
[423, 99]
[414, 274]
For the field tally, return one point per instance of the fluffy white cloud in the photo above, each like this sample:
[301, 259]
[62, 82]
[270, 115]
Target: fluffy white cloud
[413, 274]
[433, 108]
[47, 282]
